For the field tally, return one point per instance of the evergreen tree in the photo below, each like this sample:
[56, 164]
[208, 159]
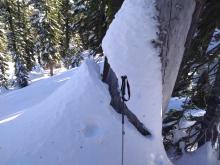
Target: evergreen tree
[44, 24]
[26, 37]
[3, 60]
[92, 19]
[12, 19]
[3, 65]
[65, 21]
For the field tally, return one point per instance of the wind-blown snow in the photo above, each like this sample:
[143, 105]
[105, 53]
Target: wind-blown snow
[128, 46]
[67, 120]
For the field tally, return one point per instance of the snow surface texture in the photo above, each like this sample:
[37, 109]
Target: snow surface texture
[67, 120]
[204, 156]
[129, 38]
[36, 74]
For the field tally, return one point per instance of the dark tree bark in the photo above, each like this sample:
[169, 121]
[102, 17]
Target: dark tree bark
[119, 106]
[51, 64]
[195, 52]
[178, 20]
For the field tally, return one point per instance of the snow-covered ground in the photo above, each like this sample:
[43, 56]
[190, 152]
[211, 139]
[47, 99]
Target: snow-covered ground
[204, 156]
[67, 119]
[36, 74]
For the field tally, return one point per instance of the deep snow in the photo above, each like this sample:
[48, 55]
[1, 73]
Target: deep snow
[67, 120]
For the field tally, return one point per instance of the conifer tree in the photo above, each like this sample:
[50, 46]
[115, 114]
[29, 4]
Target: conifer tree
[92, 19]
[65, 21]
[3, 60]
[44, 24]
[26, 37]
[12, 19]
[90, 23]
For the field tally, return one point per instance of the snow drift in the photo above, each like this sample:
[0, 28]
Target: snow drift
[69, 122]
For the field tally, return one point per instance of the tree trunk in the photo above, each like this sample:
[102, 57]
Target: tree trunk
[178, 20]
[51, 68]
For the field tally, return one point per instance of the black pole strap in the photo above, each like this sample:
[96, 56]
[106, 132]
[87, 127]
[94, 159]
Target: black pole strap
[125, 85]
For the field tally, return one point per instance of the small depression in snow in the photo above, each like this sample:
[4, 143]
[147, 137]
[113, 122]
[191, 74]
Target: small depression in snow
[91, 129]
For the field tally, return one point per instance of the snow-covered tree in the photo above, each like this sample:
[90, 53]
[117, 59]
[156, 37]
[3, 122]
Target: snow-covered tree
[3, 68]
[92, 19]
[65, 21]
[12, 20]
[3, 59]
[25, 35]
[45, 25]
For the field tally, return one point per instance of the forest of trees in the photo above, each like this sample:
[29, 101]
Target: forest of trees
[47, 32]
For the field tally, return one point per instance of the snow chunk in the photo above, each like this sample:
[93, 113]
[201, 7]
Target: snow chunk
[194, 113]
[183, 123]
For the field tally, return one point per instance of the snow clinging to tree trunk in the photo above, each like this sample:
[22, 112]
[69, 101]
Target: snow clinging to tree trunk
[128, 46]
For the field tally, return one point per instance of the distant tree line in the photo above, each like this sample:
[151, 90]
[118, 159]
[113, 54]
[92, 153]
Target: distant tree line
[46, 32]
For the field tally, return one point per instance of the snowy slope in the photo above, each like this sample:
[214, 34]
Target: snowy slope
[67, 120]
[128, 46]
[33, 94]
